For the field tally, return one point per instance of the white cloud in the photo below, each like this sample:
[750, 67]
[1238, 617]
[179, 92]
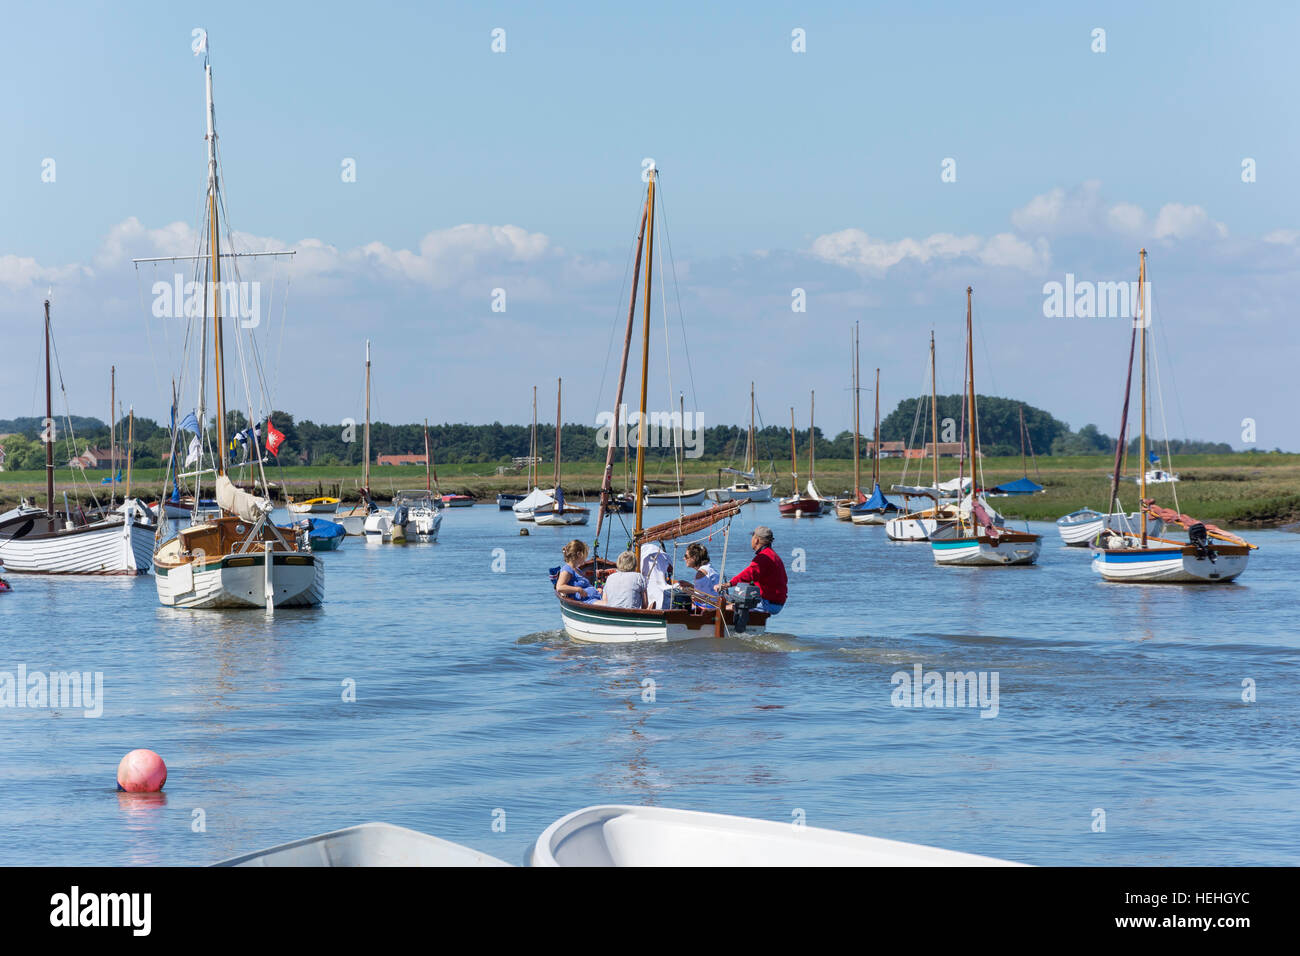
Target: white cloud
[1083, 211]
[855, 249]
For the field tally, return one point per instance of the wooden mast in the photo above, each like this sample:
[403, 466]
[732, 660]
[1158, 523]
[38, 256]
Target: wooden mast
[1024, 466]
[751, 452]
[428, 482]
[794, 463]
[112, 435]
[130, 452]
[970, 415]
[49, 424]
[558, 385]
[857, 420]
[934, 426]
[214, 247]
[1142, 440]
[365, 443]
[645, 350]
[875, 457]
[532, 448]
[606, 489]
[812, 437]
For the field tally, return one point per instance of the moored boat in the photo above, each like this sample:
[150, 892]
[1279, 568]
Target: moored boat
[314, 506]
[1080, 528]
[370, 844]
[615, 835]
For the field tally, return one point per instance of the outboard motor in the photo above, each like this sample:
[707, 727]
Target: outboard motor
[400, 516]
[1200, 540]
[745, 597]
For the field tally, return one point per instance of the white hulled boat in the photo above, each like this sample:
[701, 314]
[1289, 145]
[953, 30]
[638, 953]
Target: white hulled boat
[1210, 555]
[240, 559]
[975, 539]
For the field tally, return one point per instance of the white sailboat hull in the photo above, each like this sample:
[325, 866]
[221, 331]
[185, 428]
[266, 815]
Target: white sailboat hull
[596, 624]
[239, 582]
[1080, 532]
[1172, 565]
[909, 529]
[550, 519]
[872, 517]
[658, 836]
[741, 493]
[694, 496]
[980, 551]
[111, 547]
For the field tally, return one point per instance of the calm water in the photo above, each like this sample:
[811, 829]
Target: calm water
[470, 699]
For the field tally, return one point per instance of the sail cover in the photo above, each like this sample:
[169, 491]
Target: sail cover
[536, 499]
[241, 503]
[876, 503]
[1021, 486]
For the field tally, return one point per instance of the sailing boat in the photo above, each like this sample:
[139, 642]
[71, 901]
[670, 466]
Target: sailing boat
[558, 512]
[537, 498]
[843, 508]
[416, 513]
[919, 525]
[1023, 485]
[877, 508]
[682, 496]
[975, 538]
[240, 559]
[38, 541]
[747, 487]
[797, 504]
[1209, 556]
[597, 623]
[827, 504]
[354, 519]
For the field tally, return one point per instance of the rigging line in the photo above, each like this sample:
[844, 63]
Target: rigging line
[1169, 456]
[1173, 366]
[677, 292]
[921, 405]
[678, 465]
[613, 329]
[153, 354]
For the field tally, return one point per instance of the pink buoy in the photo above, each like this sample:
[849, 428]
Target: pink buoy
[141, 771]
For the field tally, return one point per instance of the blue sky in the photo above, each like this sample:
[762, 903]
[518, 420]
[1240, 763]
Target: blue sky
[817, 170]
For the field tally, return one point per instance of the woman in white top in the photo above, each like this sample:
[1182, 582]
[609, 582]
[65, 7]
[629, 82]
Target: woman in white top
[706, 579]
[656, 567]
[625, 587]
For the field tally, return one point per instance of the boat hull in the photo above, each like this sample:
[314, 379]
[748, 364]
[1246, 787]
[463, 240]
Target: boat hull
[1081, 531]
[739, 493]
[659, 836]
[598, 624]
[1170, 565]
[1008, 549]
[238, 582]
[103, 548]
[692, 496]
[552, 519]
[799, 507]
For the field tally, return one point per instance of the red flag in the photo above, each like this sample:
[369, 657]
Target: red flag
[274, 439]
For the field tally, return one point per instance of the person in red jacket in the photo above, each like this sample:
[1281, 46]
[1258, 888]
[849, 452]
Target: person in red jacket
[766, 571]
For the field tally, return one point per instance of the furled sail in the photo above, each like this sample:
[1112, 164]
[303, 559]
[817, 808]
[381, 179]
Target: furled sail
[234, 501]
[1169, 516]
[689, 524]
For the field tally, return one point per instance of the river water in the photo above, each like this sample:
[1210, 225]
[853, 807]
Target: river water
[1120, 734]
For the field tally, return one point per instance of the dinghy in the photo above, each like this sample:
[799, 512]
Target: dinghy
[314, 506]
[658, 836]
[1210, 555]
[680, 619]
[1080, 528]
[370, 844]
[975, 539]
[747, 487]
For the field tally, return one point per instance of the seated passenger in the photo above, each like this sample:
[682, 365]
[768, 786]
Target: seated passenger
[656, 568]
[706, 579]
[571, 582]
[626, 586]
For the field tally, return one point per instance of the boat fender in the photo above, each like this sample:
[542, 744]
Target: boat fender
[745, 598]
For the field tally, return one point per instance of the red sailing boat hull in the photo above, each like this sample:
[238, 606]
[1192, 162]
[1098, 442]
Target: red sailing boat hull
[808, 507]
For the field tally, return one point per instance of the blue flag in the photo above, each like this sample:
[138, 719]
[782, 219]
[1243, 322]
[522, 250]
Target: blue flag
[110, 479]
[190, 424]
[1153, 458]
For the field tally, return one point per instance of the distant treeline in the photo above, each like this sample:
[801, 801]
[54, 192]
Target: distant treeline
[307, 442]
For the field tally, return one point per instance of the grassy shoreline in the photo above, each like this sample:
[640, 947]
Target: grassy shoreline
[1253, 490]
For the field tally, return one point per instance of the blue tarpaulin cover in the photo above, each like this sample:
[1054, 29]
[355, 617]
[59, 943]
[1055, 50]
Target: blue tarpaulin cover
[877, 502]
[320, 528]
[1021, 486]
